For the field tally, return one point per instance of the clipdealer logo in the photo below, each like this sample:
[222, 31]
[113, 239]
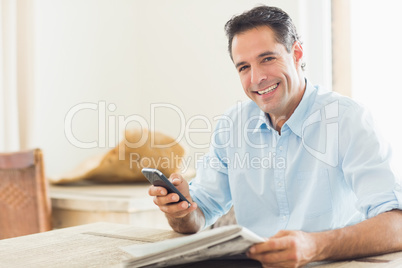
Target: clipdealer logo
[324, 148]
[327, 148]
[109, 123]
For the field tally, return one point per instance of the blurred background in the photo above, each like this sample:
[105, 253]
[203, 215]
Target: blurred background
[75, 73]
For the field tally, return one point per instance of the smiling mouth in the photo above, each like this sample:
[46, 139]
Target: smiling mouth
[268, 90]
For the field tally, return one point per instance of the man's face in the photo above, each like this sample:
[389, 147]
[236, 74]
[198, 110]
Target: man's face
[268, 73]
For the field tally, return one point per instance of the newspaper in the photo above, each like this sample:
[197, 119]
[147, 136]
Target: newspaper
[223, 241]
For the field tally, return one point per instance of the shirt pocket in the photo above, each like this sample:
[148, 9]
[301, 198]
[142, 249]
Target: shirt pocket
[314, 192]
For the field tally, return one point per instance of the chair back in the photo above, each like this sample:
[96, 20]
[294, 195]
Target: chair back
[24, 201]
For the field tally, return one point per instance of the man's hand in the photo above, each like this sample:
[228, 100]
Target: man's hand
[168, 202]
[285, 249]
[179, 215]
[378, 235]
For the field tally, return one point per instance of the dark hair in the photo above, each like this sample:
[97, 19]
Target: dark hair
[273, 17]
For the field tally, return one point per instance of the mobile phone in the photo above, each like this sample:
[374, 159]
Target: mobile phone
[156, 178]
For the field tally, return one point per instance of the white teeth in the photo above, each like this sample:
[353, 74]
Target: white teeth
[271, 88]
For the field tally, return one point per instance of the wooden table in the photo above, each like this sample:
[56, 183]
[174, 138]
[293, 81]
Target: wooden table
[98, 245]
[91, 245]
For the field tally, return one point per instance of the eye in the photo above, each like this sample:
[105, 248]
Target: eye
[268, 59]
[242, 68]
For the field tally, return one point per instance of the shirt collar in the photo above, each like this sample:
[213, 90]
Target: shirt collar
[262, 122]
[296, 120]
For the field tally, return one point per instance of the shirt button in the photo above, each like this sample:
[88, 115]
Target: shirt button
[280, 148]
[284, 218]
[280, 184]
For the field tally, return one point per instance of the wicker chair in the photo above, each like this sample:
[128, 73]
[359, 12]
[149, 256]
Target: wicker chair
[24, 201]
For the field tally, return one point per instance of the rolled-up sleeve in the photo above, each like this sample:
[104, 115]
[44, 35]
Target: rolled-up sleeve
[366, 164]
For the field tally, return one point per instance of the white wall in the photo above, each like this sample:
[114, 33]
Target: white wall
[376, 66]
[132, 54]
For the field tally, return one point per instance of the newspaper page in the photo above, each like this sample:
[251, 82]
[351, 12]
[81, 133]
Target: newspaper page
[223, 241]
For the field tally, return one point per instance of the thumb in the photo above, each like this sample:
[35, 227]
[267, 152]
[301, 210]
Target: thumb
[176, 179]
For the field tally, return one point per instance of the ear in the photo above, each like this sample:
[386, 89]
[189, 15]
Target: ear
[297, 51]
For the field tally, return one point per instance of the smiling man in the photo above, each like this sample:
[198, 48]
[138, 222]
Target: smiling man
[302, 166]
[267, 72]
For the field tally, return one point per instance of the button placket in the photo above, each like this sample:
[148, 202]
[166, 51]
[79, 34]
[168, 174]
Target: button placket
[280, 183]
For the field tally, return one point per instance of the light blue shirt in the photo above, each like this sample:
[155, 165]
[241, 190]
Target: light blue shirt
[329, 168]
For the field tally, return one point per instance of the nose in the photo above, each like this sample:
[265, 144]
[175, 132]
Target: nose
[257, 75]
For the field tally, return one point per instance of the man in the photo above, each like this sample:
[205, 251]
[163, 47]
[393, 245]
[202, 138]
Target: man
[302, 166]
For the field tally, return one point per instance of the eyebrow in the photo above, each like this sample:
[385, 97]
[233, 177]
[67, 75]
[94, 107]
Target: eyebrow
[264, 54]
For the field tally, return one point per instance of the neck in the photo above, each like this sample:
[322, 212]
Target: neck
[278, 120]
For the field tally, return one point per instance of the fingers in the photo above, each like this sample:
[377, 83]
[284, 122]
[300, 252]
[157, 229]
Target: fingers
[178, 210]
[176, 179]
[282, 233]
[272, 244]
[275, 259]
[161, 200]
[157, 191]
[285, 249]
[265, 253]
[169, 202]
